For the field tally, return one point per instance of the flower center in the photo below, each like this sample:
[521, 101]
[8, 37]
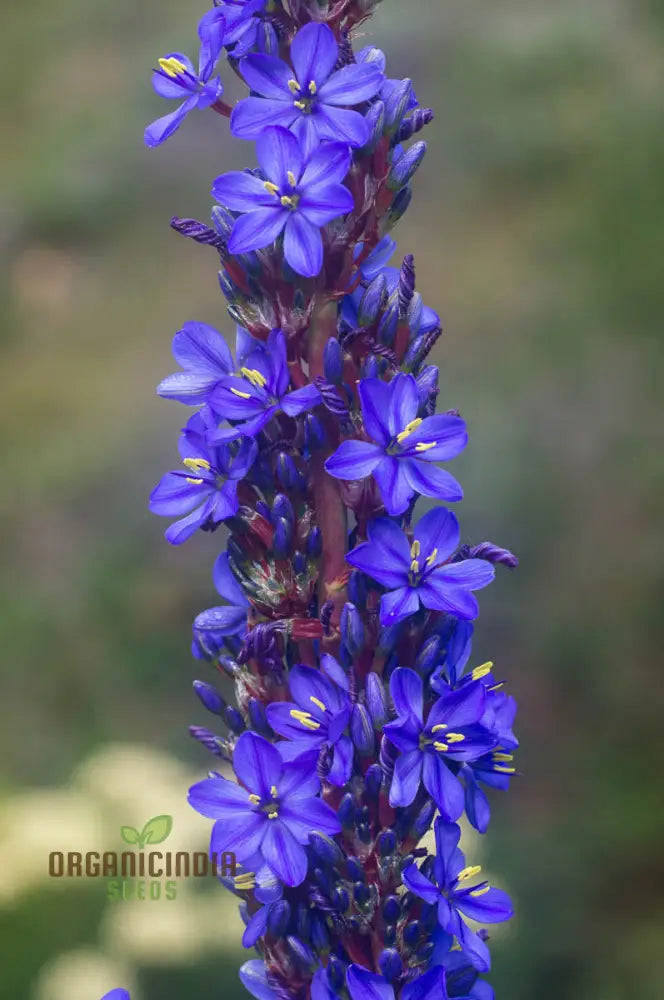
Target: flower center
[172, 67]
[195, 465]
[290, 200]
[305, 97]
[269, 806]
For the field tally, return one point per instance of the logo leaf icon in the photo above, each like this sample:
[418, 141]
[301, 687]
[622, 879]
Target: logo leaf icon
[130, 835]
[156, 830]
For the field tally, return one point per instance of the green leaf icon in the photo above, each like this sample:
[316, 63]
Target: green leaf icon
[156, 830]
[129, 835]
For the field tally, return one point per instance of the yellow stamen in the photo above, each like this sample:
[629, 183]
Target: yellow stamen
[414, 566]
[480, 892]
[242, 395]
[194, 482]
[172, 67]
[415, 549]
[318, 703]
[440, 746]
[482, 670]
[470, 872]
[273, 791]
[245, 881]
[437, 728]
[408, 429]
[455, 737]
[194, 464]
[272, 188]
[504, 770]
[287, 201]
[293, 86]
[432, 558]
[301, 105]
[312, 87]
[504, 758]
[425, 445]
[254, 799]
[456, 946]
[305, 718]
[291, 178]
[272, 815]
[254, 376]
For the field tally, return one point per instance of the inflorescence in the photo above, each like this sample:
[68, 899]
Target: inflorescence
[346, 624]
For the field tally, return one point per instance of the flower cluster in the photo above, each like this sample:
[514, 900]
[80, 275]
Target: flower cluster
[361, 725]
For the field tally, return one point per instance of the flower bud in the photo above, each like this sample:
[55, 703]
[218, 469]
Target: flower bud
[283, 536]
[397, 104]
[429, 655]
[223, 221]
[340, 900]
[233, 719]
[266, 39]
[376, 700]
[282, 507]
[209, 697]
[387, 326]
[371, 367]
[424, 819]
[314, 542]
[336, 973]
[287, 473]
[258, 718]
[390, 964]
[388, 638]
[361, 730]
[314, 433]
[333, 361]
[301, 951]
[279, 917]
[361, 893]
[357, 588]
[373, 779]
[372, 301]
[352, 629]
[215, 744]
[391, 909]
[411, 933]
[387, 843]
[375, 119]
[326, 849]
[346, 811]
[399, 206]
[405, 166]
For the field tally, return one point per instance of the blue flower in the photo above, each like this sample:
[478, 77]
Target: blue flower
[206, 492]
[452, 733]
[418, 572]
[404, 445]
[297, 196]
[318, 716]
[116, 994]
[455, 899]
[177, 79]
[253, 976]
[365, 985]
[259, 391]
[268, 891]
[205, 357]
[213, 626]
[243, 22]
[270, 815]
[311, 99]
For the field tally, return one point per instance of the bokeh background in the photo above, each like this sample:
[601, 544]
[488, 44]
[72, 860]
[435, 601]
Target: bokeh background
[537, 229]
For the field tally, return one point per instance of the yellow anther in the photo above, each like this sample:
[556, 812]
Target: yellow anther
[425, 445]
[504, 758]
[440, 746]
[242, 395]
[415, 549]
[194, 464]
[408, 429]
[273, 791]
[480, 891]
[456, 946]
[247, 880]
[482, 670]
[291, 178]
[272, 188]
[194, 482]
[504, 770]
[255, 799]
[287, 201]
[470, 872]
[414, 566]
[254, 376]
[172, 67]
[305, 718]
[455, 737]
[312, 87]
[438, 727]
[318, 703]
[294, 86]
[432, 558]
[496, 687]
[273, 815]
[301, 105]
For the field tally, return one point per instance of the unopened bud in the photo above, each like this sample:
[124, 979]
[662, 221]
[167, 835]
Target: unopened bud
[397, 105]
[361, 730]
[372, 301]
[333, 361]
[352, 629]
[209, 697]
[390, 964]
[376, 700]
[405, 167]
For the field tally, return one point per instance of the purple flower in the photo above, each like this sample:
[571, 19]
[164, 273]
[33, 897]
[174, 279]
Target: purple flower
[116, 994]
[253, 975]
[206, 492]
[318, 716]
[311, 99]
[404, 447]
[177, 79]
[205, 357]
[213, 626]
[418, 572]
[271, 814]
[243, 22]
[365, 985]
[297, 196]
[454, 898]
[452, 733]
[259, 391]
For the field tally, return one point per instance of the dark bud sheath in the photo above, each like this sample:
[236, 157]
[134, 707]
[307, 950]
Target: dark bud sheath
[200, 233]
[429, 655]
[354, 870]
[267, 41]
[414, 123]
[346, 811]
[314, 432]
[399, 206]
[390, 964]
[215, 744]
[491, 553]
[376, 700]
[373, 779]
[222, 220]
[209, 697]
[387, 844]
[287, 471]
[389, 321]
[406, 166]
[333, 361]
[336, 973]
[314, 542]
[352, 629]
[406, 287]
[234, 720]
[397, 105]
[372, 301]
[361, 730]
[282, 508]
[302, 952]
[326, 849]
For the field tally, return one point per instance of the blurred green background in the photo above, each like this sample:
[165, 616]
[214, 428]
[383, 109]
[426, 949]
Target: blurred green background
[537, 229]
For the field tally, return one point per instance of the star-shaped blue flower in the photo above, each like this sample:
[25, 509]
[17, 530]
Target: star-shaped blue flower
[418, 571]
[296, 196]
[259, 391]
[456, 897]
[452, 733]
[205, 358]
[362, 984]
[213, 626]
[177, 79]
[270, 814]
[310, 98]
[243, 22]
[318, 716]
[206, 490]
[404, 445]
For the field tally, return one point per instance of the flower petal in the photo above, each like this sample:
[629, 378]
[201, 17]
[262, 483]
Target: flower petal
[163, 128]
[393, 483]
[351, 85]
[365, 985]
[328, 164]
[462, 707]
[404, 403]
[303, 246]
[278, 153]
[257, 764]
[285, 856]
[430, 481]
[438, 529]
[211, 30]
[257, 229]
[306, 815]
[322, 202]
[376, 565]
[341, 125]
[397, 605]
[252, 115]
[442, 786]
[300, 400]
[267, 75]
[375, 401]
[173, 495]
[217, 798]
[429, 986]
[226, 583]
[449, 434]
[406, 778]
[439, 597]
[314, 53]
[242, 192]
[491, 907]
[354, 460]
[470, 573]
[407, 692]
[418, 883]
[254, 979]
